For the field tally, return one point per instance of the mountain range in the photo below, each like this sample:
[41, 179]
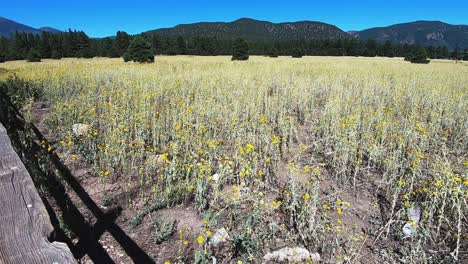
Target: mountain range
[256, 30]
[425, 33]
[9, 27]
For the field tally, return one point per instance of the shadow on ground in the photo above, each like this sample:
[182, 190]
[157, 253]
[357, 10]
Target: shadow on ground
[53, 178]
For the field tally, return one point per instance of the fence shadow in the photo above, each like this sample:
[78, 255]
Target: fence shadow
[53, 178]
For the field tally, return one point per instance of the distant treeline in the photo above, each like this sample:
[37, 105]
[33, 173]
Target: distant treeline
[78, 44]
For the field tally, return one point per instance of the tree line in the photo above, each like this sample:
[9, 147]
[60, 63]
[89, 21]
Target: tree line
[78, 44]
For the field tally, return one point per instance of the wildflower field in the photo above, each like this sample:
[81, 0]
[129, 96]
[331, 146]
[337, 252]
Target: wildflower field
[360, 160]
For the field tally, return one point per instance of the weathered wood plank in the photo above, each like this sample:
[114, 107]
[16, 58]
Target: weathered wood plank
[24, 222]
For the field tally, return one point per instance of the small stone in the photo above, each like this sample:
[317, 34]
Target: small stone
[291, 255]
[274, 227]
[216, 177]
[414, 213]
[409, 230]
[221, 236]
[414, 216]
[80, 130]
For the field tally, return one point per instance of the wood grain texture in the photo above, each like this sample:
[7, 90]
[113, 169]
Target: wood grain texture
[24, 222]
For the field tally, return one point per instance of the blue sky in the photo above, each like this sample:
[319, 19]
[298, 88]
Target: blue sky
[103, 18]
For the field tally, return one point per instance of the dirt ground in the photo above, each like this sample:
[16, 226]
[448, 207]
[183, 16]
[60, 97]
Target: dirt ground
[364, 215]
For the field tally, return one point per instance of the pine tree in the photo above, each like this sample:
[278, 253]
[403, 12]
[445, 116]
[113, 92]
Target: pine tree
[297, 53]
[371, 48]
[171, 47]
[122, 40]
[34, 55]
[56, 55]
[455, 54]
[273, 53]
[108, 48]
[181, 46]
[387, 49]
[156, 44]
[419, 56]
[139, 51]
[2, 57]
[240, 50]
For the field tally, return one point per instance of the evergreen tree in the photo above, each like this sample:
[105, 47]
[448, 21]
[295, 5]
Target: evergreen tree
[122, 40]
[45, 45]
[77, 44]
[419, 56]
[2, 57]
[240, 50]
[371, 48]
[56, 55]
[444, 53]
[297, 53]
[109, 48]
[273, 53]
[465, 55]
[181, 46]
[170, 47]
[156, 44]
[387, 49]
[455, 54]
[34, 55]
[139, 51]
[83, 45]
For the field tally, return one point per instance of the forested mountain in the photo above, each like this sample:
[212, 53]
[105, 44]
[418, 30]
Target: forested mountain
[255, 30]
[425, 33]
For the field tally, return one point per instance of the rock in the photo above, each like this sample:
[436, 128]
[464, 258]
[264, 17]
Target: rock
[414, 213]
[291, 255]
[414, 216]
[216, 177]
[409, 230]
[80, 130]
[221, 236]
[275, 228]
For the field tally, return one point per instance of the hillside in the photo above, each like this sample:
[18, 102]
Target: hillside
[426, 33]
[255, 30]
[9, 27]
[50, 30]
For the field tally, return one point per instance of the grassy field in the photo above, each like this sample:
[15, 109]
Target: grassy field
[336, 155]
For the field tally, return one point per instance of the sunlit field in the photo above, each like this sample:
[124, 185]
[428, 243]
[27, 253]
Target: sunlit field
[334, 155]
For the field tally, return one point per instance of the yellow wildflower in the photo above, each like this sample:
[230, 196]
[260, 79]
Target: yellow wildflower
[165, 157]
[200, 239]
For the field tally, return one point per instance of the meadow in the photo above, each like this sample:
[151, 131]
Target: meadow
[359, 159]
